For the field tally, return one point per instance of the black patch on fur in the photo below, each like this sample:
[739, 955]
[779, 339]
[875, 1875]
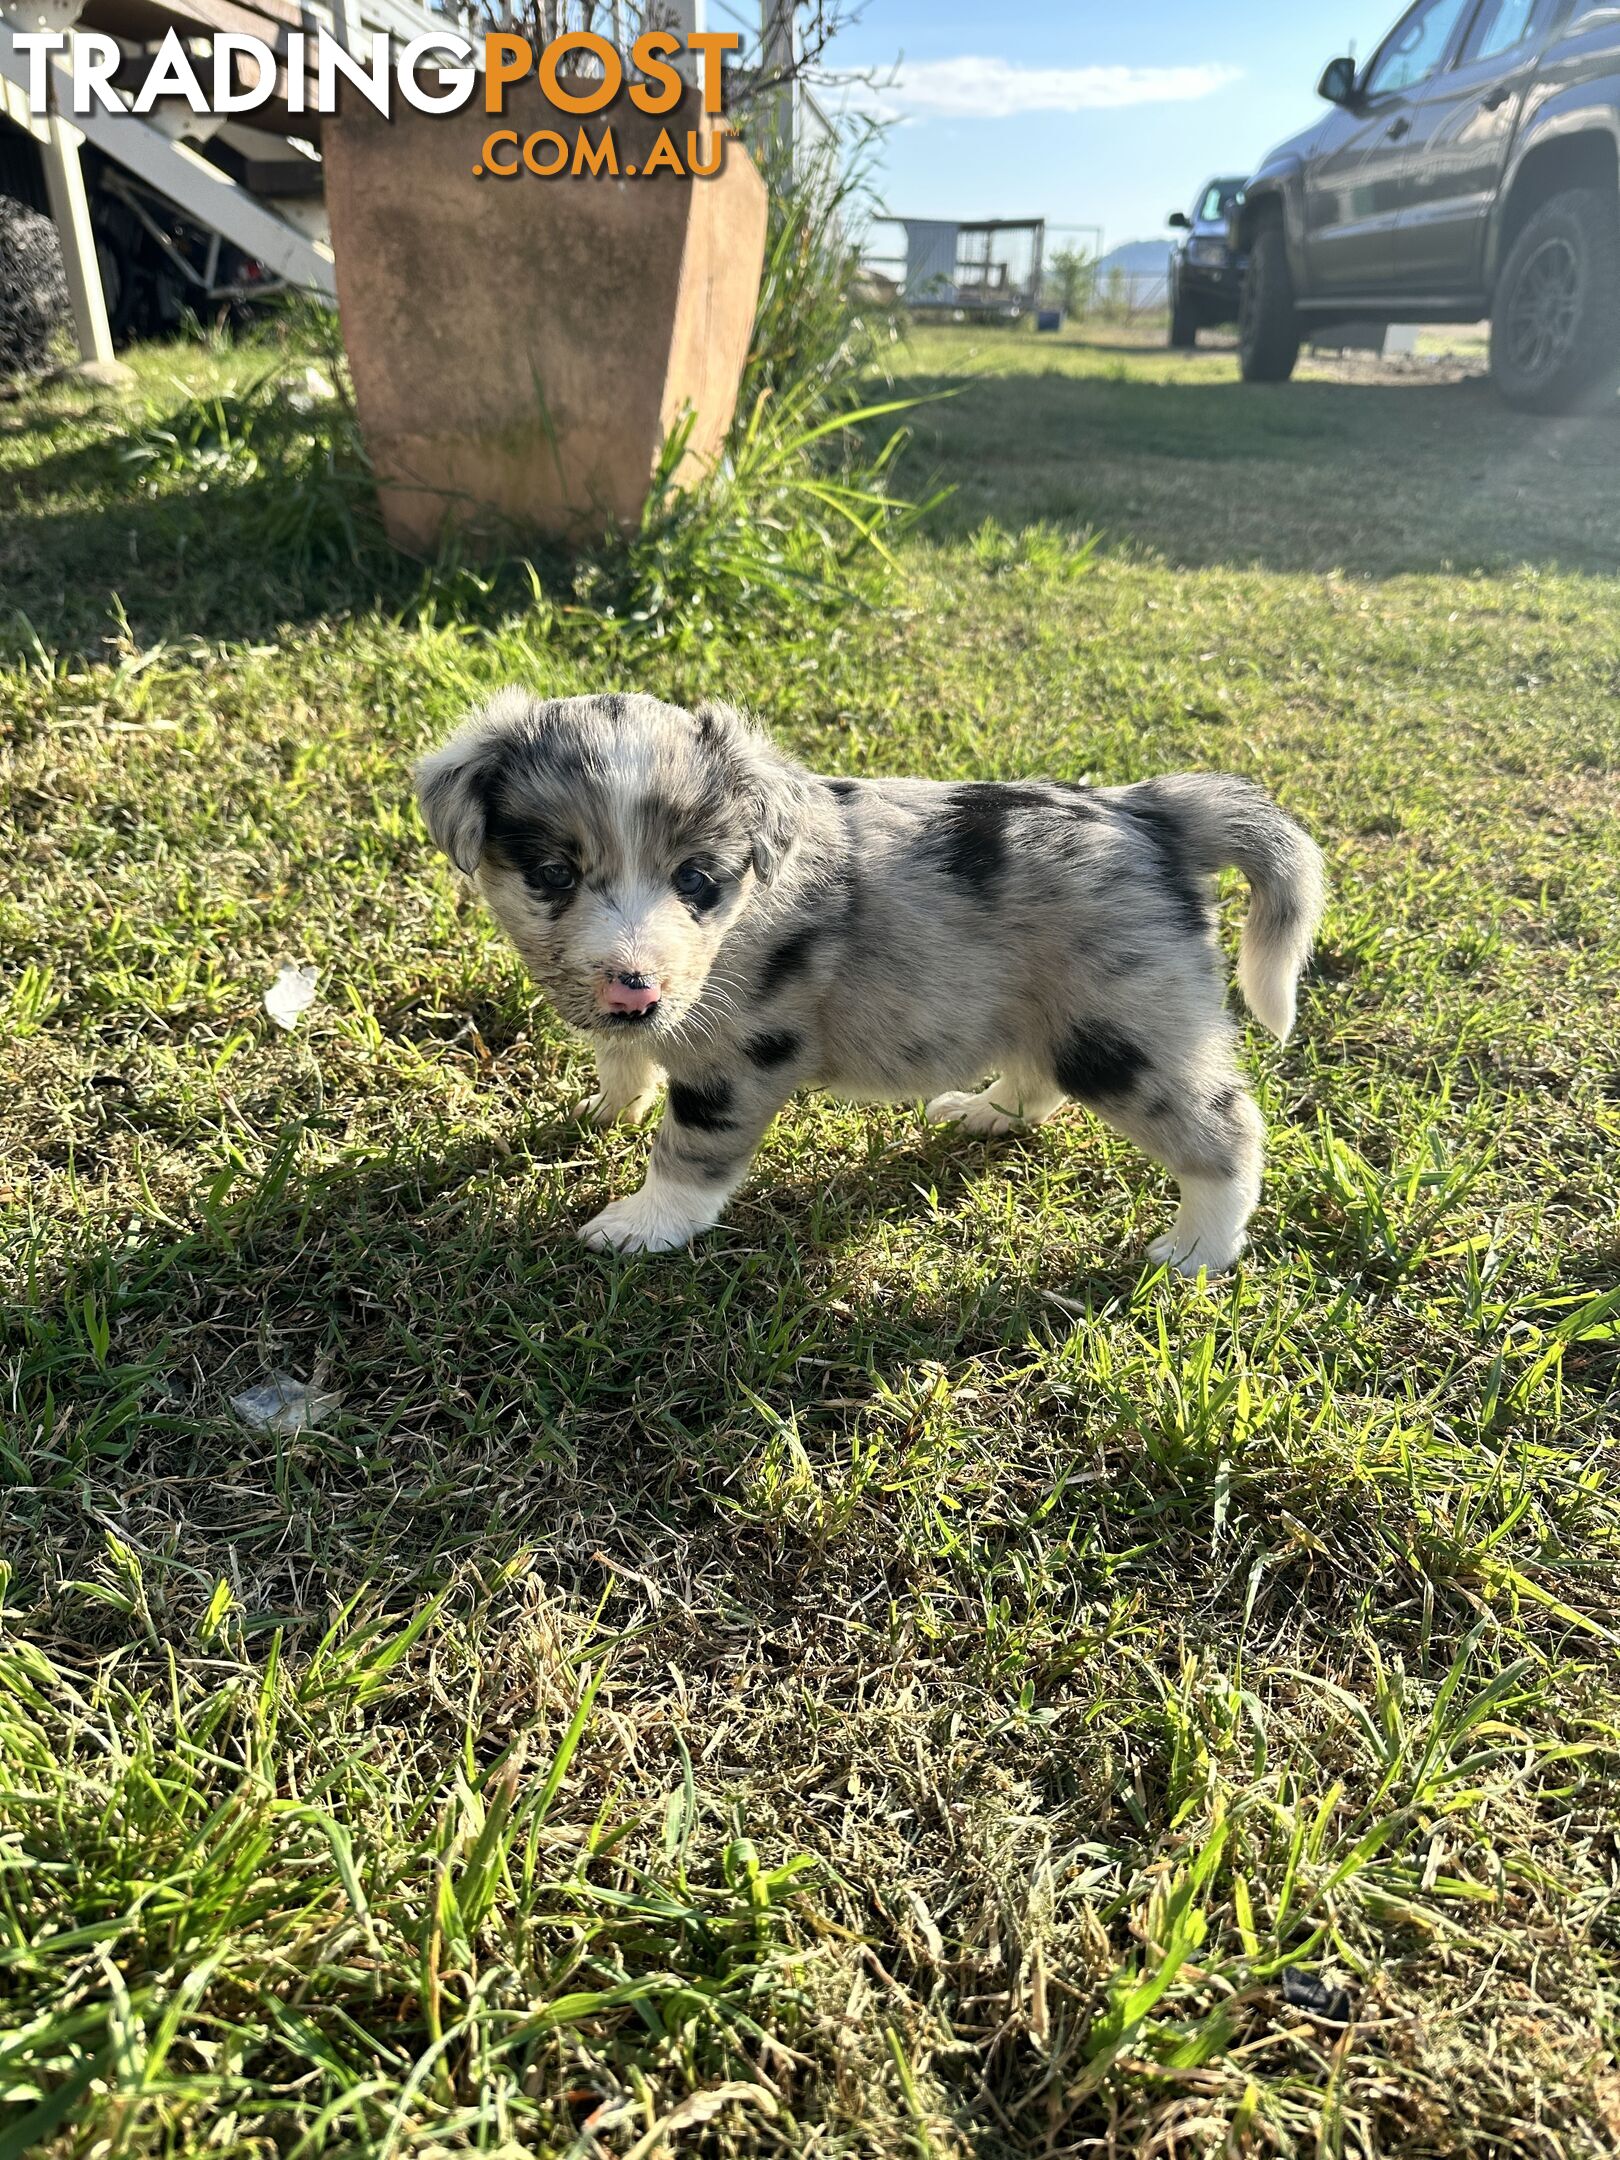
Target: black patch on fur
[487, 782]
[702, 1104]
[1078, 800]
[551, 753]
[1223, 1104]
[701, 1164]
[788, 958]
[771, 1049]
[843, 789]
[1098, 1064]
[557, 903]
[705, 900]
[519, 841]
[969, 842]
[1163, 831]
[515, 844]
[1001, 795]
[1160, 1107]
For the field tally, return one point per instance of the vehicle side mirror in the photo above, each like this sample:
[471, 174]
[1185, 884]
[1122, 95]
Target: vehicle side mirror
[1179, 221]
[1338, 84]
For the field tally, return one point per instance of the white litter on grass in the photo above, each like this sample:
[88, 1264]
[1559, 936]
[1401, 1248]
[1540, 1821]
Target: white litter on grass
[316, 390]
[282, 1404]
[291, 994]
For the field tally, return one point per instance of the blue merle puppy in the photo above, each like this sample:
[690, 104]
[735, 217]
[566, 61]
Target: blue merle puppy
[709, 912]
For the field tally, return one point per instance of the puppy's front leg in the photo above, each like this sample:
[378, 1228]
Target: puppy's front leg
[702, 1149]
[628, 1084]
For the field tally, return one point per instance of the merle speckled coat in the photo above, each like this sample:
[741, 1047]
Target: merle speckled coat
[708, 911]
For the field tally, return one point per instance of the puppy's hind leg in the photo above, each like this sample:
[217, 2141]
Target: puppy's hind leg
[1016, 1099]
[1211, 1225]
[627, 1084]
[1197, 1118]
[1213, 1140]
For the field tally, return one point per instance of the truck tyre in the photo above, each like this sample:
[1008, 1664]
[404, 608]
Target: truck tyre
[1268, 322]
[1555, 319]
[34, 312]
[1183, 320]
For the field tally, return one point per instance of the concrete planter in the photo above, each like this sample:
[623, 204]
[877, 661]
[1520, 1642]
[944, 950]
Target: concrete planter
[522, 348]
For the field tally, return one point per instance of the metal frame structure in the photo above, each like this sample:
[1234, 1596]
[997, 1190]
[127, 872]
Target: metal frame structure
[956, 266]
[156, 166]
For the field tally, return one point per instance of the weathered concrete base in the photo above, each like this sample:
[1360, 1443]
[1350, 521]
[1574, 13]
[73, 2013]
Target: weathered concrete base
[104, 374]
[522, 348]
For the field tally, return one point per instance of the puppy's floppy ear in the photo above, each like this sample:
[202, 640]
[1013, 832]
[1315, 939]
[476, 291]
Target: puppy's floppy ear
[453, 782]
[770, 787]
[451, 796]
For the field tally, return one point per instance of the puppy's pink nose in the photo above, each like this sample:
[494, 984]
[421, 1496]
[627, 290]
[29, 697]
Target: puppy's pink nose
[630, 993]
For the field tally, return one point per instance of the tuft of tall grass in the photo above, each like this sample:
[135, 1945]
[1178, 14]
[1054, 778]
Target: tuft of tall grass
[232, 1901]
[800, 512]
[288, 457]
[797, 517]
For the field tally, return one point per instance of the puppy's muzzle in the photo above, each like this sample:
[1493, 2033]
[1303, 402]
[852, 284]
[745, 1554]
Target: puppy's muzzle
[629, 997]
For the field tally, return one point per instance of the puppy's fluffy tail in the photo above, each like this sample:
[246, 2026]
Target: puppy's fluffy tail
[1232, 824]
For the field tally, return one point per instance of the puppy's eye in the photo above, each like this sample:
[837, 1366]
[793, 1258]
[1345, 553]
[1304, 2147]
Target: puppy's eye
[692, 881]
[555, 876]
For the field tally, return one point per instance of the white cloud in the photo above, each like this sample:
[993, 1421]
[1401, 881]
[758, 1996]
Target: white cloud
[975, 88]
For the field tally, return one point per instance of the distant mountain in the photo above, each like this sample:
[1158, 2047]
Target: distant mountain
[1137, 258]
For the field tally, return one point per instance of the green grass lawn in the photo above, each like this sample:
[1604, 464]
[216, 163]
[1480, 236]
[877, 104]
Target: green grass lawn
[904, 1679]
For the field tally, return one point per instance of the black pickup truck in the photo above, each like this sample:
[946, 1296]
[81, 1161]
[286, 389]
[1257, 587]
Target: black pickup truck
[1470, 168]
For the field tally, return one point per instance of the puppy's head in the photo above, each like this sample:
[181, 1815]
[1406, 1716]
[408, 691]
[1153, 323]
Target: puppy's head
[615, 839]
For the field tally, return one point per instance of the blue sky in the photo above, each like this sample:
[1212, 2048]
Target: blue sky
[1097, 114]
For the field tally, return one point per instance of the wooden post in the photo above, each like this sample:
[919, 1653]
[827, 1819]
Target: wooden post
[70, 213]
[778, 55]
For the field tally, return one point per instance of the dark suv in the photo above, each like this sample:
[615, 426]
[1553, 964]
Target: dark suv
[1471, 168]
[1206, 278]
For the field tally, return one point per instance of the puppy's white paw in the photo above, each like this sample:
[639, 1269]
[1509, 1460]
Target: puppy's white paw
[605, 1109]
[974, 1113]
[1210, 1226]
[641, 1222]
[1187, 1254]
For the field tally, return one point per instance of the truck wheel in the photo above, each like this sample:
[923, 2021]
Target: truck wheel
[1555, 321]
[1268, 323]
[34, 311]
[1183, 321]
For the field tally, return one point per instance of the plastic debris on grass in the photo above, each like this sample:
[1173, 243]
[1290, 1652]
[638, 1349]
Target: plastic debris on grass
[291, 995]
[282, 1404]
[1304, 1991]
[314, 390]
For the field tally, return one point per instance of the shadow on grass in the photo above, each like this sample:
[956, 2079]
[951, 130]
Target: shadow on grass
[185, 565]
[495, 1378]
[230, 517]
[1377, 480]
[719, 1448]
[200, 527]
